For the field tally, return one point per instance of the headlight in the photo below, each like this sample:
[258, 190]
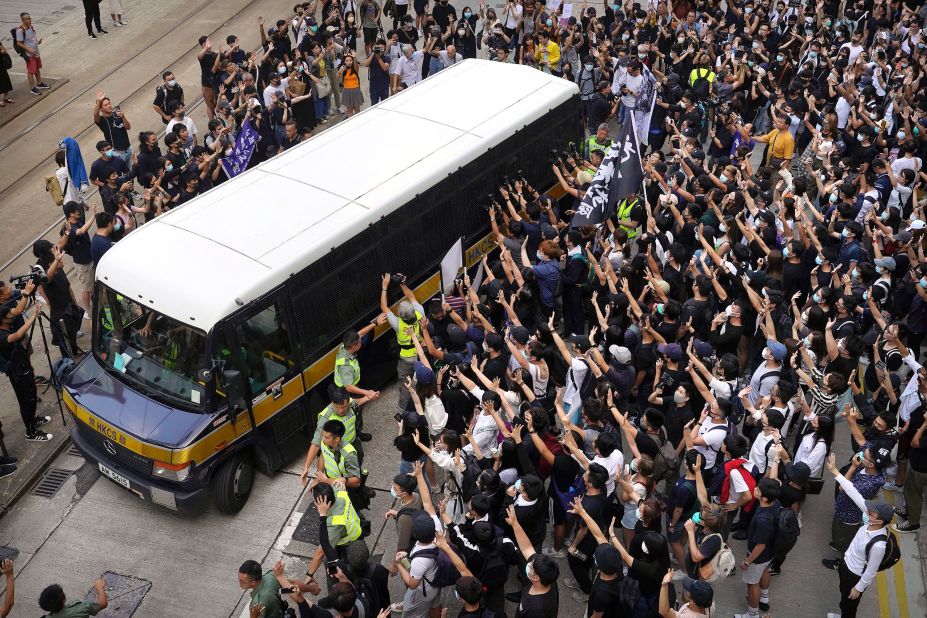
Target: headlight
[173, 472]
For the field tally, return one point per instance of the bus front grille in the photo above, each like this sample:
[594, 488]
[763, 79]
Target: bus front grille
[123, 456]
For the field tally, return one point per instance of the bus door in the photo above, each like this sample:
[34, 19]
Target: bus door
[266, 358]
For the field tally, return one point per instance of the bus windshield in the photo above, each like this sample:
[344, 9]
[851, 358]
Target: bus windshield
[154, 353]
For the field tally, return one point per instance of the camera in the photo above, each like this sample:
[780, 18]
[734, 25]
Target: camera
[378, 49]
[36, 275]
[555, 158]
[397, 278]
[435, 31]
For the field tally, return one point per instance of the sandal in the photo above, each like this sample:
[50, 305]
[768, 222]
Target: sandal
[9, 100]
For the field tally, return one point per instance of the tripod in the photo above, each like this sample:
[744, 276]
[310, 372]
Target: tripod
[41, 319]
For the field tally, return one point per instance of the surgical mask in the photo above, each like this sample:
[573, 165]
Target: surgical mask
[281, 69]
[865, 518]
[697, 518]
[923, 282]
[860, 137]
[392, 492]
[118, 226]
[169, 167]
[844, 232]
[807, 341]
[866, 296]
[900, 135]
[350, 19]
[110, 153]
[633, 465]
[637, 513]
[729, 311]
[528, 570]
[756, 46]
[833, 198]
[540, 255]
[855, 273]
[678, 398]
[588, 66]
[818, 260]
[467, 14]
[816, 297]
[722, 178]
[879, 269]
[873, 116]
[625, 37]
[750, 63]
[812, 55]
[171, 83]
[722, 227]
[785, 251]
[660, 308]
[550, 23]
[680, 39]
[461, 32]
[779, 57]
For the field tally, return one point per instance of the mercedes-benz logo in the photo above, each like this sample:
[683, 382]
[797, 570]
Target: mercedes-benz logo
[110, 447]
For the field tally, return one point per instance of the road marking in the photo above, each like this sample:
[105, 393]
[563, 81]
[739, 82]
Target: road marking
[897, 577]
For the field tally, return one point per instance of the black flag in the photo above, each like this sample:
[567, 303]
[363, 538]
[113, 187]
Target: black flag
[619, 175]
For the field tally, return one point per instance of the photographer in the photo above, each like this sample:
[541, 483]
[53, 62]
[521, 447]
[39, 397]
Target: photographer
[57, 292]
[18, 367]
[377, 64]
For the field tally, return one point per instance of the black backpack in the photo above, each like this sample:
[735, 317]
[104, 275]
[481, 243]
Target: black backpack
[892, 550]
[701, 87]
[19, 50]
[738, 411]
[494, 570]
[787, 531]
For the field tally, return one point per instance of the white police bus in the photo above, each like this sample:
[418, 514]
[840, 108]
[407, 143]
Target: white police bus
[243, 294]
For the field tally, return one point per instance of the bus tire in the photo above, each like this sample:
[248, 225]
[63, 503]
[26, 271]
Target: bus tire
[233, 483]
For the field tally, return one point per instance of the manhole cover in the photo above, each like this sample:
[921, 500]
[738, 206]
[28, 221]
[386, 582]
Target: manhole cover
[125, 594]
[51, 482]
[307, 530]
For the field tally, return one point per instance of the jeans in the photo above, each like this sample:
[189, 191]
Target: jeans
[405, 467]
[321, 107]
[125, 155]
[92, 15]
[379, 94]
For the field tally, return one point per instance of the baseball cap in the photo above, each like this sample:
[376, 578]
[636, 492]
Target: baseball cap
[882, 509]
[423, 374]
[455, 335]
[778, 350]
[700, 591]
[548, 231]
[672, 350]
[580, 341]
[423, 527]
[903, 236]
[620, 354]
[916, 224]
[798, 472]
[225, 105]
[703, 348]
[885, 262]
[882, 458]
[520, 334]
[607, 559]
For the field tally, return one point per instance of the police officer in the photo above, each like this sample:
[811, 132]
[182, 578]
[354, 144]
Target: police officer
[340, 463]
[16, 364]
[347, 368]
[630, 218]
[338, 521]
[598, 141]
[408, 321]
[342, 408]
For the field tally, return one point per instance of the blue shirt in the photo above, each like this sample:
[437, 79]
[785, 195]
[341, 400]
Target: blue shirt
[548, 273]
[868, 485]
[99, 245]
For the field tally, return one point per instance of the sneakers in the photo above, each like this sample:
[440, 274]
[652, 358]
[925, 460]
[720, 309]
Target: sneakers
[343, 109]
[7, 470]
[774, 570]
[550, 552]
[833, 615]
[579, 597]
[122, 23]
[8, 461]
[102, 31]
[42, 86]
[891, 487]
[38, 436]
[396, 607]
[117, 25]
[93, 36]
[35, 91]
[569, 582]
[365, 437]
[41, 420]
[906, 526]
[833, 565]
[513, 597]
[764, 607]
[900, 512]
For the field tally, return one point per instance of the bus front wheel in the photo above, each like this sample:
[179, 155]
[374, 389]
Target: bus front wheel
[233, 484]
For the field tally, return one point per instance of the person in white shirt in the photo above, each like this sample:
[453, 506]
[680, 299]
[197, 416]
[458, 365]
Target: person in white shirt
[708, 434]
[860, 563]
[407, 69]
[814, 446]
[763, 450]
[855, 46]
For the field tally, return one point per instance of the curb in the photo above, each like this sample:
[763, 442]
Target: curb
[35, 475]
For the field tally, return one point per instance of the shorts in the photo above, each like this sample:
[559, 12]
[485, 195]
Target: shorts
[675, 537]
[754, 572]
[420, 6]
[33, 64]
[84, 276]
[370, 36]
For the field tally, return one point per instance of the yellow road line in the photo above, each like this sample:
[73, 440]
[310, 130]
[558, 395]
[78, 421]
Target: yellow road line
[885, 610]
[901, 591]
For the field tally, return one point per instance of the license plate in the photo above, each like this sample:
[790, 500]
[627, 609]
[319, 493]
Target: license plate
[116, 477]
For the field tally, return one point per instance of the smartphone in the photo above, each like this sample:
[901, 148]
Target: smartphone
[288, 590]
[398, 417]
[332, 568]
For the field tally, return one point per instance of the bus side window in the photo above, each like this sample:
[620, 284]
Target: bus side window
[266, 343]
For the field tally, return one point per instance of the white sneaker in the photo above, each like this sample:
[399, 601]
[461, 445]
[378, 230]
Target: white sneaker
[832, 615]
[343, 109]
[891, 487]
[550, 552]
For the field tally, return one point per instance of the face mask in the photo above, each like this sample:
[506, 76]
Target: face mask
[314, 28]
[819, 260]
[118, 226]
[748, 10]
[625, 36]
[111, 153]
[722, 227]
[677, 398]
[816, 297]
[844, 233]
[865, 518]
[866, 296]
[350, 19]
[779, 57]
[785, 251]
[181, 114]
[879, 270]
[528, 570]
[855, 273]
[660, 308]
[860, 137]
[750, 63]
[169, 167]
[467, 14]
[756, 46]
[637, 513]
[722, 178]
[540, 255]
[680, 39]
[392, 492]
[281, 69]
[873, 116]
[461, 32]
[807, 342]
[900, 135]
[833, 198]
[550, 23]
[812, 55]
[172, 83]
[697, 518]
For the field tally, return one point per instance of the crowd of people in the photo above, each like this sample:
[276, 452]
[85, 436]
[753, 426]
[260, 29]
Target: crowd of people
[609, 407]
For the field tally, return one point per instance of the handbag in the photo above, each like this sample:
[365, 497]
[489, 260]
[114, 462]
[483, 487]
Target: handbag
[815, 486]
[297, 87]
[323, 87]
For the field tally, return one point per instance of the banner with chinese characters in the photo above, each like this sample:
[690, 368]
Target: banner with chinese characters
[237, 162]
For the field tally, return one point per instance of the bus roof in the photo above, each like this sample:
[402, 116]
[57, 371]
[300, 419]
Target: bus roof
[241, 239]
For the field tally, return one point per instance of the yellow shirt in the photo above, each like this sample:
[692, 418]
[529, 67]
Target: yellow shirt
[552, 51]
[781, 144]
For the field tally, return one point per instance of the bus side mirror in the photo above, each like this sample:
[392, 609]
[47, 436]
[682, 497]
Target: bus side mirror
[233, 391]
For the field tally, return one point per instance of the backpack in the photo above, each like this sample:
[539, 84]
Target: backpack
[446, 575]
[471, 472]
[494, 568]
[721, 565]
[587, 283]
[701, 87]
[19, 50]
[53, 187]
[787, 531]
[737, 406]
[892, 550]
[367, 595]
[666, 463]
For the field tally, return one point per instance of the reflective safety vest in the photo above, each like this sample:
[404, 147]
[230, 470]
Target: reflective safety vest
[334, 466]
[349, 419]
[344, 358]
[108, 319]
[348, 519]
[171, 353]
[406, 347]
[624, 213]
[593, 144]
